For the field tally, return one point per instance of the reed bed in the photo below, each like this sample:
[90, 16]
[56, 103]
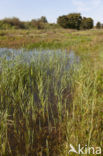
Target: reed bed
[48, 103]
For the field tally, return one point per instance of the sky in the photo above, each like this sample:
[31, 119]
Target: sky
[33, 9]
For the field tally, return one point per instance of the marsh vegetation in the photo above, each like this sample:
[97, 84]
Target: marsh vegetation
[52, 95]
[48, 99]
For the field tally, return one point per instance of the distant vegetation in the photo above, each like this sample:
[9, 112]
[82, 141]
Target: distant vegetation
[99, 25]
[15, 23]
[75, 21]
[70, 21]
[48, 101]
[87, 23]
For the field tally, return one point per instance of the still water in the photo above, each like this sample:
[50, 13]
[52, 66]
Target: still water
[30, 55]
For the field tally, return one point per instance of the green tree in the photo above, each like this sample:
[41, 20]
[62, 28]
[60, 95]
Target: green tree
[63, 21]
[74, 20]
[98, 25]
[87, 23]
[90, 23]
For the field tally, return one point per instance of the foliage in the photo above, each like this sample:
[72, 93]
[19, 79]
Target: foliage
[14, 22]
[87, 23]
[4, 25]
[63, 21]
[46, 104]
[98, 25]
[74, 20]
[33, 114]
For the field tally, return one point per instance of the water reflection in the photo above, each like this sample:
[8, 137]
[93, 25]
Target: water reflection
[28, 54]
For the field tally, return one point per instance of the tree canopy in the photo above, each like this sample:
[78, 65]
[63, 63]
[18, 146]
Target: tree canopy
[75, 21]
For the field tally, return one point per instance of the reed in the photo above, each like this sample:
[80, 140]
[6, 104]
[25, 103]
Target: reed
[46, 104]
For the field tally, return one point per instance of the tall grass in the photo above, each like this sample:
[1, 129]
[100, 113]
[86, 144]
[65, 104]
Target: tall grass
[46, 104]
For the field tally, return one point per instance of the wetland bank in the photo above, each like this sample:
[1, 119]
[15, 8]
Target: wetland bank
[50, 98]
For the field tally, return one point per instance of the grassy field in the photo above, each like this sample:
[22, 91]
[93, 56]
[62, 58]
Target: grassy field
[55, 38]
[45, 106]
[87, 42]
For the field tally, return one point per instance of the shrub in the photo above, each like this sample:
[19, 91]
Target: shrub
[14, 22]
[98, 25]
[4, 25]
[74, 20]
[63, 21]
[87, 23]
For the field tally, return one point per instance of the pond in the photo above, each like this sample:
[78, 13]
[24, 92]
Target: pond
[30, 55]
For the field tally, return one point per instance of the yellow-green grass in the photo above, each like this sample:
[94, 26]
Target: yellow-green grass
[45, 107]
[82, 42]
[56, 38]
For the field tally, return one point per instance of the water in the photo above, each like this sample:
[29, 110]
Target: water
[27, 55]
[66, 59]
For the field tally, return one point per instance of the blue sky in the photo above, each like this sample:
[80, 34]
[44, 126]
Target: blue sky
[30, 9]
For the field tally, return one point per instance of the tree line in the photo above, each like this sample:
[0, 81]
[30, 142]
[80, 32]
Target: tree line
[15, 23]
[75, 21]
[70, 21]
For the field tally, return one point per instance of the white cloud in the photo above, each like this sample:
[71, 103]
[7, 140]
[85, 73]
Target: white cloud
[80, 6]
[87, 5]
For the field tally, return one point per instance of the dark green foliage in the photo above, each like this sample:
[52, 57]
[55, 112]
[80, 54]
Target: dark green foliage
[98, 25]
[74, 20]
[84, 24]
[63, 21]
[90, 23]
[87, 23]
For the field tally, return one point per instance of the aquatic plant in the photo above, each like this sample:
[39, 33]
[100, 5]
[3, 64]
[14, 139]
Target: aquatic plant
[46, 103]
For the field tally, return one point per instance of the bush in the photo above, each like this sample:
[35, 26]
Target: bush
[63, 21]
[13, 22]
[98, 25]
[4, 25]
[87, 23]
[74, 20]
